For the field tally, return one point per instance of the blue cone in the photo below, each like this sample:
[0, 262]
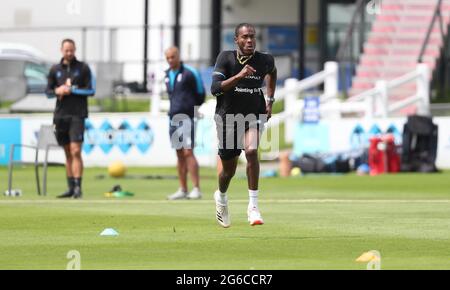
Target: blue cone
[109, 232]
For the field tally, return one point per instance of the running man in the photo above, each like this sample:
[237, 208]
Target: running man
[241, 111]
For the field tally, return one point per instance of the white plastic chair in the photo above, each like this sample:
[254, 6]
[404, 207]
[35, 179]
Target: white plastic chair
[46, 141]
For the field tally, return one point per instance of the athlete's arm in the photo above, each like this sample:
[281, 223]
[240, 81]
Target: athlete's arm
[271, 83]
[52, 90]
[199, 89]
[232, 82]
[221, 81]
[87, 83]
[51, 84]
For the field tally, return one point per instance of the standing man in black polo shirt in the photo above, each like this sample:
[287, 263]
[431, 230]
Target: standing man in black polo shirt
[241, 111]
[71, 82]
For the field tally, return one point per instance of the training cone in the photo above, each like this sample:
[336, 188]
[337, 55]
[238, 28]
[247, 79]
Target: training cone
[367, 257]
[108, 194]
[109, 232]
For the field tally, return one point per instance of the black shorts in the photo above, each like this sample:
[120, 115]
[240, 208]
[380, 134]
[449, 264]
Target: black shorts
[69, 129]
[231, 138]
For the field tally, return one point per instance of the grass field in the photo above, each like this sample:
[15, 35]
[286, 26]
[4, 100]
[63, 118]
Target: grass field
[312, 222]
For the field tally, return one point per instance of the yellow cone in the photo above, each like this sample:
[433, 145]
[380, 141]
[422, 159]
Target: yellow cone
[368, 257]
[108, 194]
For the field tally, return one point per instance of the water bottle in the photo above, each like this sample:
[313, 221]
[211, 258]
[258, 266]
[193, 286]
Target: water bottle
[13, 193]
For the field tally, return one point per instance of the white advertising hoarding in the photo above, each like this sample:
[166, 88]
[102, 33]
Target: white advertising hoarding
[345, 135]
[135, 139]
[140, 140]
[443, 152]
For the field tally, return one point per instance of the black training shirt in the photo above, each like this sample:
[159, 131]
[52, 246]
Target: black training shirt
[83, 86]
[247, 96]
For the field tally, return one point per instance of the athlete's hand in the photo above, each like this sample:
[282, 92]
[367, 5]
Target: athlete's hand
[67, 90]
[246, 71]
[269, 110]
[61, 91]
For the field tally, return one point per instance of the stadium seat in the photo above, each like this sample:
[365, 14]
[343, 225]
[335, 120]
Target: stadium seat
[46, 141]
[394, 45]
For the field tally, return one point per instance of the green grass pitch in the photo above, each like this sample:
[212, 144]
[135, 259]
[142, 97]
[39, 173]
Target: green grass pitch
[312, 222]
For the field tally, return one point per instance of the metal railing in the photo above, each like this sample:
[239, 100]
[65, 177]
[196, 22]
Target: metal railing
[436, 15]
[346, 56]
[441, 73]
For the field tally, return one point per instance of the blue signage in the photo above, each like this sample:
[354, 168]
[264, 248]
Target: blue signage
[10, 133]
[311, 112]
[282, 39]
[311, 138]
[124, 137]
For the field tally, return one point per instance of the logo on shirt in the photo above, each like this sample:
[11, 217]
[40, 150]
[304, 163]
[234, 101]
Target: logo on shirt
[248, 90]
[253, 77]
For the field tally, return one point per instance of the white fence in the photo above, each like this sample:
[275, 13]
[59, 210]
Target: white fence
[373, 103]
[377, 99]
[293, 102]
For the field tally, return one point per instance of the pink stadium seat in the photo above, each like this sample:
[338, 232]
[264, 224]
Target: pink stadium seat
[394, 45]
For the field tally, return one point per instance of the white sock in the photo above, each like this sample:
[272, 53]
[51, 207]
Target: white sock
[222, 196]
[253, 199]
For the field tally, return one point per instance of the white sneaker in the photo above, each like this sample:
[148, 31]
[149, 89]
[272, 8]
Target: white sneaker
[195, 194]
[222, 214]
[180, 194]
[254, 217]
